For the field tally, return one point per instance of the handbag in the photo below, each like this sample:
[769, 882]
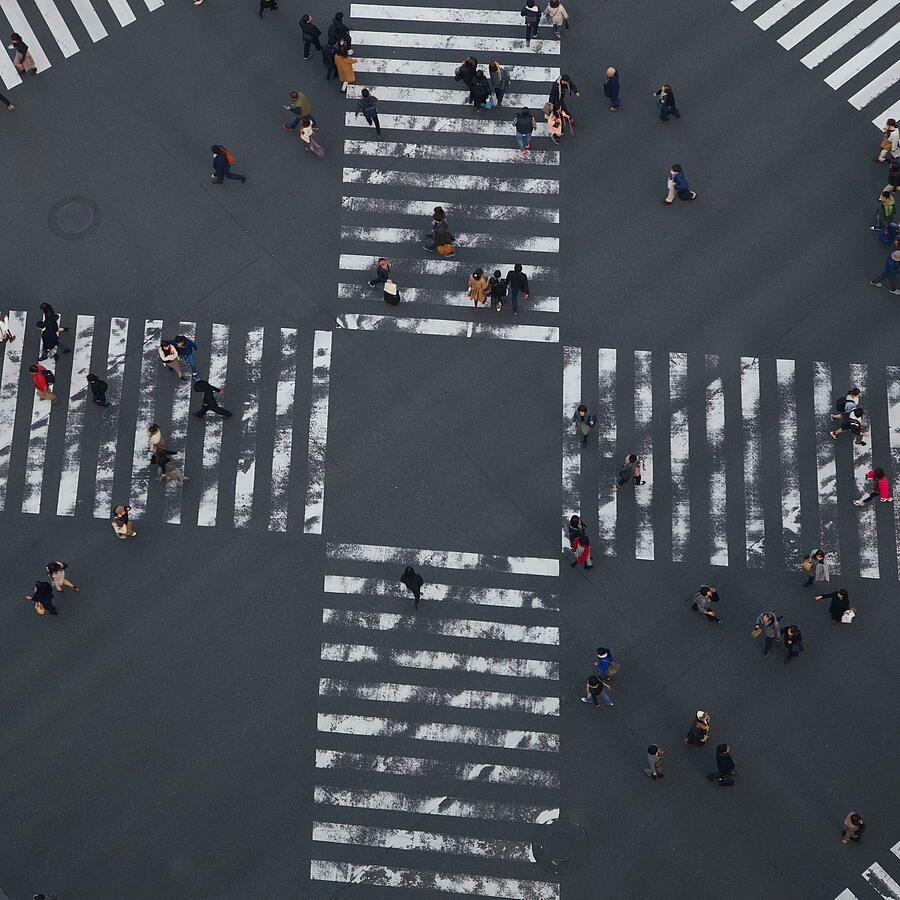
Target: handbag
[886, 144]
[446, 250]
[316, 148]
[489, 103]
[807, 564]
[848, 616]
[39, 608]
[611, 669]
[757, 631]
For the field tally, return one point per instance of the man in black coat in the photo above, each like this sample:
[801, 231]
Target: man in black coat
[562, 87]
[209, 400]
[310, 35]
[338, 31]
[517, 282]
[725, 765]
[98, 389]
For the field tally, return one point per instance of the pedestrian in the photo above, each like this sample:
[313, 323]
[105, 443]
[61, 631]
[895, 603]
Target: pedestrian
[698, 734]
[300, 107]
[382, 272]
[893, 181]
[498, 290]
[557, 16]
[595, 688]
[169, 470]
[611, 88]
[57, 572]
[677, 184]
[584, 422]
[561, 88]
[890, 141]
[478, 288]
[22, 59]
[465, 72]
[853, 827]
[605, 663]
[840, 604]
[345, 63]
[185, 349]
[725, 771]
[879, 487]
[308, 140]
[480, 91]
[50, 332]
[155, 438]
[310, 34]
[885, 217]
[6, 335]
[499, 81]
[575, 528]
[266, 4]
[98, 390]
[42, 597]
[168, 353]
[665, 103]
[630, 471]
[654, 763]
[209, 404]
[816, 567]
[532, 16]
[554, 122]
[853, 424]
[222, 161]
[843, 405]
[768, 624]
[368, 106]
[124, 529]
[891, 269]
[581, 547]
[441, 238]
[413, 582]
[391, 293]
[517, 282]
[53, 896]
[328, 62]
[6, 102]
[524, 123]
[43, 381]
[793, 642]
[338, 31]
[702, 603]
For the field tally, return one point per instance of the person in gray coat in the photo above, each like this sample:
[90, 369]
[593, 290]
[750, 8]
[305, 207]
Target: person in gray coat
[768, 625]
[819, 570]
[654, 763]
[499, 81]
[703, 600]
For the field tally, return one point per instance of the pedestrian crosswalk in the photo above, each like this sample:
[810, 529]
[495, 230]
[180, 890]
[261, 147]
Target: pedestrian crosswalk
[79, 459]
[438, 739]
[739, 464]
[435, 151]
[854, 41]
[880, 883]
[72, 25]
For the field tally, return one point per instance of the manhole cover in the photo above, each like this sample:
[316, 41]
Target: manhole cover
[559, 847]
[74, 217]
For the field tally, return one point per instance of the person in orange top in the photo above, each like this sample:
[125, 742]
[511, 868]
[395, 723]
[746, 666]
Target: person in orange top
[345, 64]
[42, 378]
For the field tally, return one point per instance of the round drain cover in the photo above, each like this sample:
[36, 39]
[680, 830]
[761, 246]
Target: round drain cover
[559, 846]
[74, 217]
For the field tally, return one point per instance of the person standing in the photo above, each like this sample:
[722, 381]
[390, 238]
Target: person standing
[43, 380]
[816, 566]
[698, 734]
[168, 353]
[677, 184]
[345, 64]
[879, 488]
[222, 161]
[611, 89]
[890, 271]
[702, 603]
[22, 59]
[524, 123]
[631, 471]
[853, 827]
[768, 624]
[98, 390]
[499, 81]
[724, 776]
[517, 282]
[557, 16]
[793, 642]
[480, 91]
[561, 88]
[532, 16]
[382, 273]
[665, 103]
[854, 424]
[498, 290]
[413, 582]
[595, 688]
[840, 603]
[266, 4]
[583, 422]
[57, 572]
[338, 31]
[654, 768]
[368, 106]
[120, 514]
[209, 404]
[478, 288]
[310, 34]
[300, 107]
[42, 597]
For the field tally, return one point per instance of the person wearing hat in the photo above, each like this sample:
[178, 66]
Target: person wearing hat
[891, 268]
[698, 734]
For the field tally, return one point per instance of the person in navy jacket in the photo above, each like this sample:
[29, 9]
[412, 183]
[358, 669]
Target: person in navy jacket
[678, 184]
[221, 166]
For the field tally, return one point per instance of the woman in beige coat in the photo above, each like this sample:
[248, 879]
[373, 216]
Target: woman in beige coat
[557, 16]
[345, 64]
[478, 287]
[22, 60]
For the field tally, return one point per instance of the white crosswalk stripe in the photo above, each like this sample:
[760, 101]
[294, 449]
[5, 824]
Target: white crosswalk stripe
[466, 43]
[114, 372]
[434, 67]
[383, 206]
[438, 124]
[436, 298]
[451, 182]
[537, 244]
[443, 152]
[435, 14]
[387, 94]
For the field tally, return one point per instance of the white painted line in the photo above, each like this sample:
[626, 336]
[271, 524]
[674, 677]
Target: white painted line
[434, 14]
[715, 442]
[452, 97]
[818, 17]
[392, 692]
[776, 13]
[877, 86]
[78, 391]
[37, 447]
[423, 841]
[424, 804]
[846, 894]
[146, 415]
[9, 393]
[846, 34]
[884, 885]
[893, 399]
[792, 545]
[449, 328]
[284, 430]
[644, 546]
[114, 375]
[417, 767]
[438, 732]
[440, 124]
[466, 239]
[90, 19]
[417, 880]
[754, 520]
[448, 593]
[451, 153]
[442, 68]
[863, 462]
[182, 392]
[605, 436]
[470, 629]
[443, 559]
[496, 211]
[57, 26]
[212, 432]
[19, 24]
[439, 298]
[468, 43]
[571, 440]
[679, 455]
[153, 4]
[864, 57]
[896, 848]
[825, 465]
[741, 5]
[318, 434]
[8, 72]
[246, 470]
[892, 112]
[123, 12]
[448, 182]
[359, 263]
[442, 661]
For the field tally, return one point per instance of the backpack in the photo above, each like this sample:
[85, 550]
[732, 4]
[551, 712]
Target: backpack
[51, 378]
[840, 405]
[229, 157]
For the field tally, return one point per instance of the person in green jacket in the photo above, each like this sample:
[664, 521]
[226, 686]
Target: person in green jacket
[886, 209]
[299, 107]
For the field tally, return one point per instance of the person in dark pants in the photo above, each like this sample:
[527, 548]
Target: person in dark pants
[768, 625]
[562, 87]
[49, 340]
[299, 107]
[665, 103]
[840, 603]
[328, 62]
[338, 31]
[677, 184]
[465, 73]
[368, 106]
[266, 4]
[6, 102]
[43, 594]
[186, 348]
[532, 16]
[413, 582]
[611, 89]
[222, 166]
[517, 281]
[853, 827]
[725, 765]
[891, 269]
[382, 273]
[98, 389]
[210, 404]
[499, 81]
[818, 567]
[793, 641]
[310, 34]
[595, 688]
[480, 91]
[702, 600]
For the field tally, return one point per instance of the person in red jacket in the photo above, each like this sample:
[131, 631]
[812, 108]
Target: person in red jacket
[42, 378]
[880, 488]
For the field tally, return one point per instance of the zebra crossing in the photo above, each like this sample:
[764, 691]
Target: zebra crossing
[879, 880]
[854, 41]
[81, 460]
[739, 465]
[437, 152]
[437, 737]
[86, 25]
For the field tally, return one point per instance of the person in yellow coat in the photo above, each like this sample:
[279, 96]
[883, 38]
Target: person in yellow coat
[478, 286]
[345, 63]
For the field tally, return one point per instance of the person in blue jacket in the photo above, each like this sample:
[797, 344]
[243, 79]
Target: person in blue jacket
[532, 16]
[185, 348]
[221, 166]
[891, 270]
[677, 184]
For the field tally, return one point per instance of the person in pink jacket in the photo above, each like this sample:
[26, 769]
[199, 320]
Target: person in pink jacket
[880, 488]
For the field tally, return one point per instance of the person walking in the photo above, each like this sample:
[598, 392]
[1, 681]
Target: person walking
[611, 89]
[6, 335]
[532, 16]
[345, 64]
[465, 72]
[559, 90]
[575, 528]
[677, 184]
[266, 4]
[49, 340]
[98, 390]
[768, 624]
[300, 107]
[22, 59]
[840, 603]
[879, 487]
[844, 405]
[155, 439]
[328, 61]
[893, 178]
[169, 470]
[595, 688]
[853, 827]
[43, 381]
[382, 273]
[185, 349]
[391, 293]
[478, 288]
[698, 733]
[557, 16]
[725, 770]
[889, 273]
[368, 106]
[703, 600]
[524, 123]
[816, 567]
[853, 424]
[124, 528]
[605, 664]
[480, 91]
[222, 161]
[57, 572]
[42, 597]
[584, 422]
[308, 140]
[209, 404]
[890, 141]
[554, 119]
[793, 642]
[665, 103]
[441, 238]
[168, 353]
[517, 282]
[413, 582]
[581, 547]
[498, 290]
[654, 768]
[310, 34]
[338, 31]
[499, 81]
[885, 217]
[630, 471]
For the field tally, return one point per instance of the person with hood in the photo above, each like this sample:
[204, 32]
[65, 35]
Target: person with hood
[768, 624]
[557, 16]
[466, 74]
[524, 123]
[793, 642]
[665, 103]
[338, 31]
[698, 734]
[479, 91]
[478, 288]
[611, 89]
[561, 88]
[499, 81]
[631, 471]
[725, 773]
[840, 603]
[816, 566]
[413, 582]
[222, 166]
[891, 269]
[532, 16]
[880, 488]
[310, 35]
[702, 602]
[345, 63]
[677, 184]
[441, 238]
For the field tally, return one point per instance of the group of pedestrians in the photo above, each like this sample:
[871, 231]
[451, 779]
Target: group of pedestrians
[885, 218]
[41, 596]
